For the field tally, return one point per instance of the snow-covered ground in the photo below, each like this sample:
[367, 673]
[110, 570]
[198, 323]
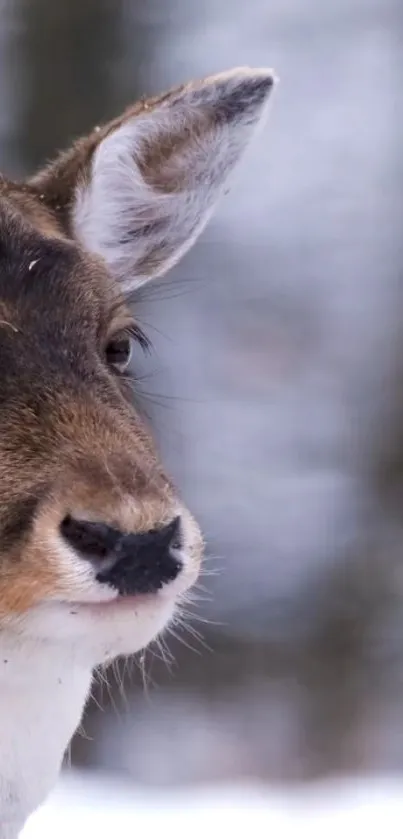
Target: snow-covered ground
[83, 804]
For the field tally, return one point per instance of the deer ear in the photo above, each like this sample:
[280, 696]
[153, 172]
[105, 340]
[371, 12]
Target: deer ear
[152, 178]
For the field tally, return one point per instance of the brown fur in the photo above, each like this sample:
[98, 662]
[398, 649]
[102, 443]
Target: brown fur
[69, 439]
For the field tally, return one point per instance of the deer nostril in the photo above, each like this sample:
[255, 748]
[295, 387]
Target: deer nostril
[133, 563]
[170, 535]
[91, 539]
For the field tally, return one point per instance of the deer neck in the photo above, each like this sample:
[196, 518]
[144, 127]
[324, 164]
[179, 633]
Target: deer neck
[43, 689]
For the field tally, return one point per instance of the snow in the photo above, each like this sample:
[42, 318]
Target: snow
[84, 803]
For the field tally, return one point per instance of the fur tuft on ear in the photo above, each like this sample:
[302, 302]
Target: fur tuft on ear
[147, 183]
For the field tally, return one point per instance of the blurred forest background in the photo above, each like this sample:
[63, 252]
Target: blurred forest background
[275, 386]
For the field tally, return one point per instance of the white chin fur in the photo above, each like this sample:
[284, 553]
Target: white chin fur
[99, 631]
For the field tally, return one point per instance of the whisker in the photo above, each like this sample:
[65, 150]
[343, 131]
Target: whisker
[211, 572]
[146, 677]
[181, 640]
[133, 382]
[103, 682]
[195, 599]
[183, 623]
[192, 616]
[163, 654]
[151, 292]
[119, 679]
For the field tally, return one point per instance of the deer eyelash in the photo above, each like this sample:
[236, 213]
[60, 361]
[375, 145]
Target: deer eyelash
[135, 332]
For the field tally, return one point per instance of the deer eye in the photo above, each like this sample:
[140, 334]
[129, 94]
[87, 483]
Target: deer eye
[118, 352]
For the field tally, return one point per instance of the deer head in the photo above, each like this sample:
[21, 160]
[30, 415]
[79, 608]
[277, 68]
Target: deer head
[95, 543]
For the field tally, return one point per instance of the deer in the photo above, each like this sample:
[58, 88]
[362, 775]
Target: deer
[97, 549]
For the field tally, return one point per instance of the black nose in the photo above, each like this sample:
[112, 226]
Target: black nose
[133, 563]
